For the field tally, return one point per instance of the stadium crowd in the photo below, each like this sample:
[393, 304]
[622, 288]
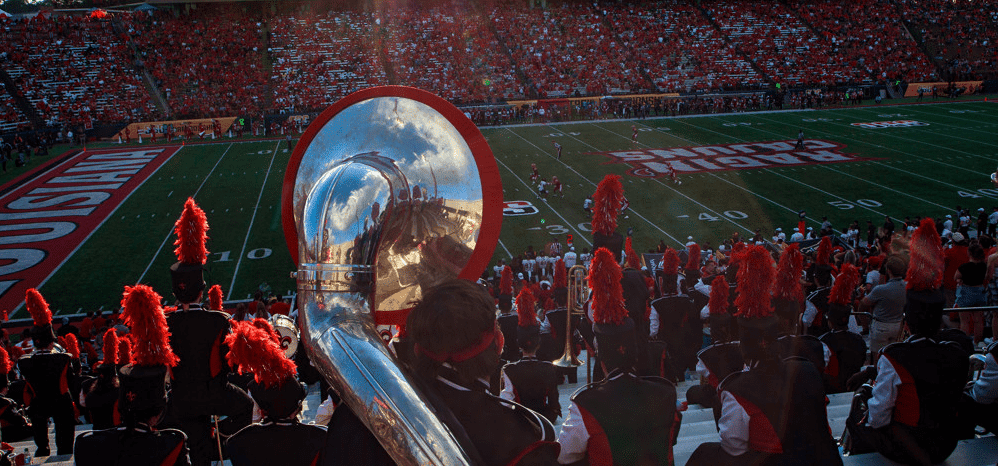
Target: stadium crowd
[226, 59]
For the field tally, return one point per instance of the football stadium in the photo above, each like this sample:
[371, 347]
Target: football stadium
[284, 215]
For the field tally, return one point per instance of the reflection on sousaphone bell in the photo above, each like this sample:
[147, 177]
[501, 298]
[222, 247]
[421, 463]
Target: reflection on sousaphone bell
[390, 191]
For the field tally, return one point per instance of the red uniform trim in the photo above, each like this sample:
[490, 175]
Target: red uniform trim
[171, 459]
[28, 394]
[762, 435]
[832, 368]
[215, 365]
[907, 408]
[64, 381]
[528, 450]
[598, 446]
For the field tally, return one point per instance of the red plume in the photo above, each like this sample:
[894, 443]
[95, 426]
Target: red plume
[693, 262]
[143, 313]
[755, 283]
[16, 352]
[525, 308]
[72, 345]
[38, 308]
[845, 284]
[788, 275]
[560, 274]
[215, 298]
[506, 281]
[251, 350]
[608, 296]
[633, 261]
[549, 304]
[192, 232]
[670, 262]
[5, 363]
[925, 269]
[262, 324]
[124, 350]
[736, 253]
[719, 291]
[4, 315]
[824, 251]
[110, 347]
[607, 201]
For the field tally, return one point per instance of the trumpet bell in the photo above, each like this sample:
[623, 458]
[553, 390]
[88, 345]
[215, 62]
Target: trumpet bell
[390, 191]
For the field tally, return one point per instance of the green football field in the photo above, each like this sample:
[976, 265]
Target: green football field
[739, 173]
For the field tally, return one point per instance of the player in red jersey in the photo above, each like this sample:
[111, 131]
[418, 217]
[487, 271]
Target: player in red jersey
[556, 186]
[634, 133]
[152, 133]
[672, 173]
[534, 174]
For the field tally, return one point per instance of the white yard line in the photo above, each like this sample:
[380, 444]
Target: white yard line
[580, 175]
[664, 185]
[249, 229]
[888, 135]
[144, 272]
[826, 167]
[99, 225]
[531, 190]
[505, 249]
[842, 137]
[951, 135]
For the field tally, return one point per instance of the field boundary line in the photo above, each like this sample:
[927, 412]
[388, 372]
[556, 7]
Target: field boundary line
[913, 141]
[504, 248]
[956, 126]
[658, 117]
[170, 233]
[580, 175]
[249, 229]
[899, 151]
[531, 190]
[826, 167]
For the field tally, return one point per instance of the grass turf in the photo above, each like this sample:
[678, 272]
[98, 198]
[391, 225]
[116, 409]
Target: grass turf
[922, 170]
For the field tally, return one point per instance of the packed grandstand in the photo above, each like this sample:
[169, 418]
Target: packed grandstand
[90, 67]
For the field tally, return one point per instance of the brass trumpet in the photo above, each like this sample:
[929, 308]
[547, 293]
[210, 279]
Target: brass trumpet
[578, 291]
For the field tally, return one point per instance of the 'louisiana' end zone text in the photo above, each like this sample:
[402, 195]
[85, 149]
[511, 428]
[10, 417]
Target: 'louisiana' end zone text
[653, 163]
[43, 222]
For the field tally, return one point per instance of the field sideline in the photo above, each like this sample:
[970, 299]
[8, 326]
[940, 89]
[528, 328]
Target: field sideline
[737, 174]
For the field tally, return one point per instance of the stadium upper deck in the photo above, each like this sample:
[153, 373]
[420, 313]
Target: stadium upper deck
[215, 59]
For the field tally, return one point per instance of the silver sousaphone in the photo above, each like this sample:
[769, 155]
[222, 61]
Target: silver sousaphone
[390, 191]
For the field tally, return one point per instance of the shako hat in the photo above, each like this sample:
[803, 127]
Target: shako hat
[607, 202]
[614, 329]
[41, 332]
[840, 296]
[188, 272]
[143, 380]
[506, 289]
[252, 350]
[756, 320]
[528, 329]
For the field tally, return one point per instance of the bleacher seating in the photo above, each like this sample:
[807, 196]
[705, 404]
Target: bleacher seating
[208, 62]
[868, 34]
[319, 59]
[219, 59]
[73, 70]
[450, 50]
[960, 35]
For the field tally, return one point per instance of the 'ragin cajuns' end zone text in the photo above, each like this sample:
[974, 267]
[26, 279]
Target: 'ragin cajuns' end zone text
[45, 220]
[652, 163]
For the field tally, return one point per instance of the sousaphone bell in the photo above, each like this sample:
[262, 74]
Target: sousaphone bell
[390, 191]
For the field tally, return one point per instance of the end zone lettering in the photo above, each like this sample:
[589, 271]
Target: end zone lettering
[653, 163]
[890, 124]
[517, 208]
[47, 219]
